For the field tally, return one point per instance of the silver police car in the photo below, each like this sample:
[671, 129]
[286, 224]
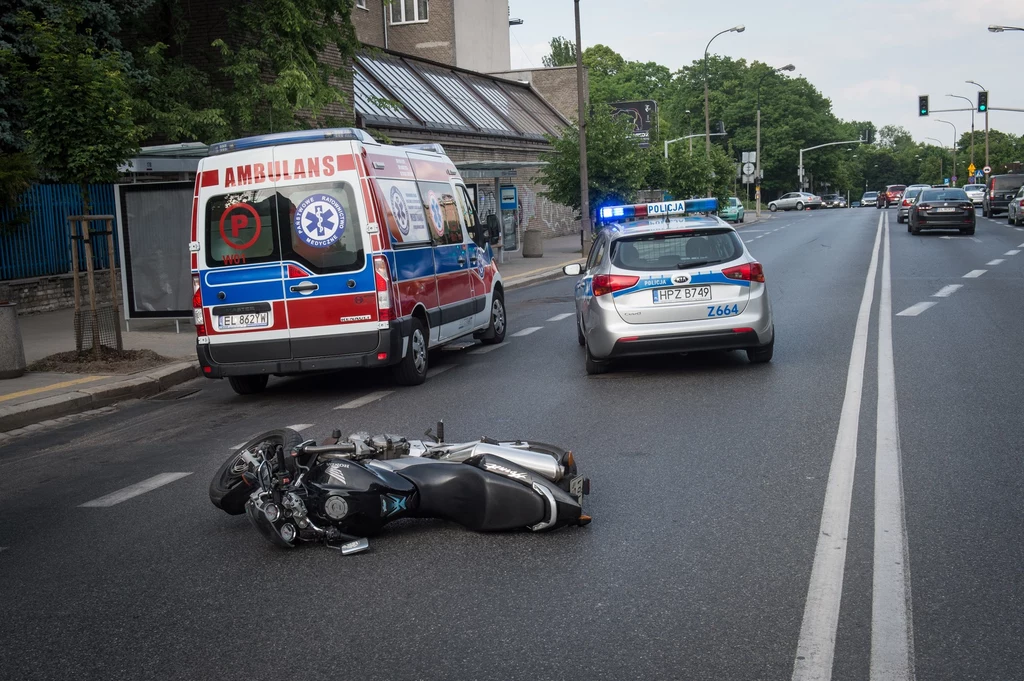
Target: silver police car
[661, 280]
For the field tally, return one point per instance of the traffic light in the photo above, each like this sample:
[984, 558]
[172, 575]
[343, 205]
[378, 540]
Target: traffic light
[982, 101]
[922, 105]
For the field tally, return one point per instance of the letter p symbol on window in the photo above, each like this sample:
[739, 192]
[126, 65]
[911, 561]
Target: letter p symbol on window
[238, 222]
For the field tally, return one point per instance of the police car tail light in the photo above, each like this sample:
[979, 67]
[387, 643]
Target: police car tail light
[382, 276]
[749, 271]
[197, 307]
[610, 283]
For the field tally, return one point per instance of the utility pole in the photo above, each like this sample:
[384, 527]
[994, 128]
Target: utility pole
[757, 153]
[584, 180]
[983, 89]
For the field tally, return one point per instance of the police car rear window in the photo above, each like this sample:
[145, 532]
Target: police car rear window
[653, 252]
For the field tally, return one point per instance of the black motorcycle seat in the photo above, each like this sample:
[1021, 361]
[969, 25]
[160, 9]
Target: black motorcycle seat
[475, 499]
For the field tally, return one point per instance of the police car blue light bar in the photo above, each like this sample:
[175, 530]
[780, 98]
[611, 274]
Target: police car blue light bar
[662, 209]
[293, 137]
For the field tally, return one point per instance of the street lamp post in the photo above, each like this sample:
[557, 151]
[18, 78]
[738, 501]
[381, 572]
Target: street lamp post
[952, 175]
[966, 99]
[942, 146]
[1000, 29]
[585, 227]
[707, 114]
[982, 88]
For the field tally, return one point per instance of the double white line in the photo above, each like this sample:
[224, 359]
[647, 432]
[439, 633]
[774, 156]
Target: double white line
[892, 650]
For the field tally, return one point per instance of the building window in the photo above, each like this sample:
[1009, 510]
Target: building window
[362, 4]
[408, 11]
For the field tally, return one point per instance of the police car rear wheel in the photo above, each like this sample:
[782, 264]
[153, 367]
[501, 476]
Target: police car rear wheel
[763, 354]
[412, 370]
[594, 366]
[496, 331]
[248, 385]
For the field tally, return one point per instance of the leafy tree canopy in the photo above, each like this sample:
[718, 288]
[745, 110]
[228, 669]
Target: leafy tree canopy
[563, 53]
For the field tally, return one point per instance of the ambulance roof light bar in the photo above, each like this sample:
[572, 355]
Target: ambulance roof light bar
[292, 137]
[655, 210]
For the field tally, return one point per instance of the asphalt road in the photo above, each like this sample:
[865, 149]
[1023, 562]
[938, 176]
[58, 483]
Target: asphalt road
[707, 558]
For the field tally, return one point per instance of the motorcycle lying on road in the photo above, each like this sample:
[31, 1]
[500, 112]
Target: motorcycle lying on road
[342, 491]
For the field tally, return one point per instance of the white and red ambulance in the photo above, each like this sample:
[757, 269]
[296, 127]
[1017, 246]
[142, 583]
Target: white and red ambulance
[324, 249]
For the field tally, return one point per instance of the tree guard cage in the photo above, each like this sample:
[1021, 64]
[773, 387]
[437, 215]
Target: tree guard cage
[101, 327]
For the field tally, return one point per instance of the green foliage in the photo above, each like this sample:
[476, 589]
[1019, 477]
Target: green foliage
[79, 119]
[613, 79]
[616, 166]
[695, 175]
[563, 53]
[16, 175]
[279, 77]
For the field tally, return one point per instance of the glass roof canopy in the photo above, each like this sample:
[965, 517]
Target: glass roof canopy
[401, 92]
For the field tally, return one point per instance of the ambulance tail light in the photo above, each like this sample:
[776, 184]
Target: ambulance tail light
[750, 271]
[610, 283]
[197, 307]
[382, 277]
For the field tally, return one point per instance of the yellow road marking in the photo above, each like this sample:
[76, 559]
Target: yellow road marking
[47, 388]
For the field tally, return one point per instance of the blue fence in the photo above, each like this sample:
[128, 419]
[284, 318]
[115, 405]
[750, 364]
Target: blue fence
[42, 246]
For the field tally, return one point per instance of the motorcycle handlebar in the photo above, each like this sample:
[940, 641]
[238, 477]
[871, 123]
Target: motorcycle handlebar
[340, 448]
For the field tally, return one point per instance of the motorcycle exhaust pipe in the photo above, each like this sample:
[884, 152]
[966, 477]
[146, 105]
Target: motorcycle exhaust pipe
[542, 464]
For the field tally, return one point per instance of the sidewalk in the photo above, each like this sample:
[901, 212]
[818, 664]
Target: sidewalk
[35, 399]
[518, 271]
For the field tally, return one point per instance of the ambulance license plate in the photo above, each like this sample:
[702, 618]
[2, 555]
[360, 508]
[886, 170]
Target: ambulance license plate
[255, 320]
[682, 294]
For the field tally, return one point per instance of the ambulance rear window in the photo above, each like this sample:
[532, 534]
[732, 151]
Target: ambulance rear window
[240, 228]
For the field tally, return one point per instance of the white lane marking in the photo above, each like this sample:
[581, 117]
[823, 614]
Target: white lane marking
[299, 427]
[1019, 229]
[434, 371]
[892, 649]
[916, 309]
[974, 274]
[997, 261]
[560, 317]
[1013, 252]
[365, 399]
[147, 485]
[527, 331]
[947, 291]
[486, 348]
[1021, 246]
[815, 648]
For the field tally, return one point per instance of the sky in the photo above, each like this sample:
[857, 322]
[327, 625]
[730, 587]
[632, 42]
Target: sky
[872, 59]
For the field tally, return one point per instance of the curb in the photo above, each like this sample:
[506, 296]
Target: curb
[93, 397]
[538, 275]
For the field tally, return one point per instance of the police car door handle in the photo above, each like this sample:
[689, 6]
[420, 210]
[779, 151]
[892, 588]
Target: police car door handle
[461, 260]
[304, 287]
[472, 260]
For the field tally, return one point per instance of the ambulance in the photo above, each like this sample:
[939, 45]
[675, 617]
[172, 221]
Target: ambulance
[324, 249]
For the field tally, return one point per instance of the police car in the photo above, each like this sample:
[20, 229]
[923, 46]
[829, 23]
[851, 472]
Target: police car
[661, 279]
[323, 249]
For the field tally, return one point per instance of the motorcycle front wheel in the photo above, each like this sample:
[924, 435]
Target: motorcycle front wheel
[228, 490]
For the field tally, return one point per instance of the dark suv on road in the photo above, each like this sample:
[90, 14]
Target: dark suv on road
[998, 191]
[891, 195]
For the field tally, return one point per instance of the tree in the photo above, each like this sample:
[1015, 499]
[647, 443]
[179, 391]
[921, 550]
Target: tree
[563, 53]
[79, 117]
[616, 166]
[694, 175]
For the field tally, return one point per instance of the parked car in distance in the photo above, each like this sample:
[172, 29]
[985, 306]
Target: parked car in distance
[833, 201]
[1000, 190]
[795, 201]
[975, 192]
[891, 195]
[947, 208]
[732, 211]
[869, 199]
[1015, 209]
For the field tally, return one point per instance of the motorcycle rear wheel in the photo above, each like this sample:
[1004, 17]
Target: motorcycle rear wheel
[228, 491]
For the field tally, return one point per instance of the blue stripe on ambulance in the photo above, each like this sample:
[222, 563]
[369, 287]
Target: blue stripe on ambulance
[412, 263]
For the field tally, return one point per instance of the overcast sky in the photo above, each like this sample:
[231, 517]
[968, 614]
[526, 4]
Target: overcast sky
[869, 69]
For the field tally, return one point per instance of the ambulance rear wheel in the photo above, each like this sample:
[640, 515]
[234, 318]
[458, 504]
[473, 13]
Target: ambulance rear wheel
[496, 331]
[248, 385]
[412, 370]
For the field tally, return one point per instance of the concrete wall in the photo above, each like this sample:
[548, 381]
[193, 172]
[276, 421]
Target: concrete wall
[481, 35]
[43, 294]
[557, 85]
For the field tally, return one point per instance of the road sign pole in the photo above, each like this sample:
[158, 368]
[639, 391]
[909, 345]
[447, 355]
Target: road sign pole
[757, 163]
[987, 164]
